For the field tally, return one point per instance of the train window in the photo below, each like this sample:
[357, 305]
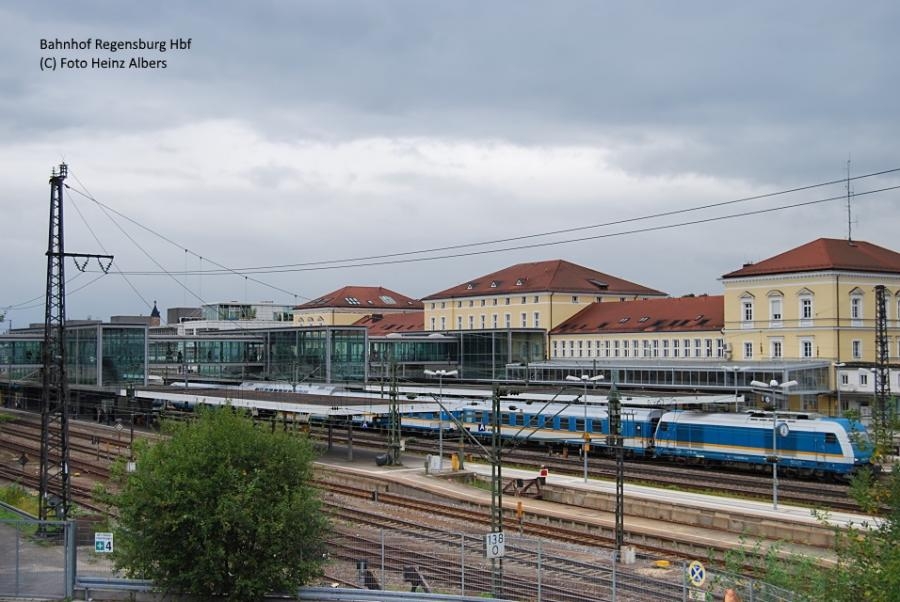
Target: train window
[830, 438]
[663, 427]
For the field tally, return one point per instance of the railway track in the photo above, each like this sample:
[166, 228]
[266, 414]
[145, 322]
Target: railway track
[577, 576]
[105, 441]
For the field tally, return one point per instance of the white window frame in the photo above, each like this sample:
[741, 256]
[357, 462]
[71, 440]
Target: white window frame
[776, 310]
[807, 302]
[537, 319]
[776, 348]
[747, 310]
[748, 350]
[804, 342]
[508, 320]
[856, 349]
[857, 307]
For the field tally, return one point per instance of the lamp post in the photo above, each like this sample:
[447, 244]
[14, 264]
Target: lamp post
[773, 386]
[441, 374]
[837, 384]
[734, 370]
[585, 379]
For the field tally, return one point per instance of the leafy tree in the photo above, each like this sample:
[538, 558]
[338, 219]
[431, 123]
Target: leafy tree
[220, 509]
[868, 555]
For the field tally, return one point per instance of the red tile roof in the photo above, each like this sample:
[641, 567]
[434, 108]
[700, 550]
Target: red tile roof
[364, 297]
[825, 254]
[681, 314]
[380, 325]
[556, 275]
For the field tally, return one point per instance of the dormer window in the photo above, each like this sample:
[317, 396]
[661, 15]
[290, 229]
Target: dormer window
[644, 319]
[470, 286]
[493, 284]
[623, 320]
[352, 300]
[520, 282]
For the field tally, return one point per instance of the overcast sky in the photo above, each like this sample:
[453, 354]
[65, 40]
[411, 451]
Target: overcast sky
[306, 132]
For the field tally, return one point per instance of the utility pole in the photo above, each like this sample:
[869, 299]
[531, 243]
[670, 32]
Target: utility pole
[54, 470]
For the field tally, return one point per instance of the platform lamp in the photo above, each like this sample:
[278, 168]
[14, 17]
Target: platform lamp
[441, 374]
[584, 378]
[783, 430]
[837, 384]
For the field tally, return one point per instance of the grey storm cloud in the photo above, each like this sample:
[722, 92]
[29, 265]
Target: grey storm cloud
[319, 129]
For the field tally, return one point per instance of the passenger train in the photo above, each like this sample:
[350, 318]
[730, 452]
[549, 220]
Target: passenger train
[805, 443]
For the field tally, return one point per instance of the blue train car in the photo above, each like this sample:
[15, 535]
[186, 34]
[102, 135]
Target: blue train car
[806, 443]
[548, 423]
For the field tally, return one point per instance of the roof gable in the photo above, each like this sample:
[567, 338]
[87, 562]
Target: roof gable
[555, 275]
[825, 254]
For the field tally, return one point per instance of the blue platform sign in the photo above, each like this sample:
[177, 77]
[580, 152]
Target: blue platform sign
[103, 543]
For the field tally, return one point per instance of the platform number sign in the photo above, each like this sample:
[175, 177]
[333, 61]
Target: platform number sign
[494, 545]
[103, 543]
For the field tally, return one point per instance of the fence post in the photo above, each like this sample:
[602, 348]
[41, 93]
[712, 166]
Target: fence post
[383, 582]
[71, 551]
[462, 564]
[18, 572]
[683, 582]
[614, 564]
[540, 569]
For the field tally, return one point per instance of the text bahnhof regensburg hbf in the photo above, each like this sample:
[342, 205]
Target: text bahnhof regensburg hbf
[116, 45]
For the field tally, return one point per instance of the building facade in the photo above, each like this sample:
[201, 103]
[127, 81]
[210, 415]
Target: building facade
[537, 295]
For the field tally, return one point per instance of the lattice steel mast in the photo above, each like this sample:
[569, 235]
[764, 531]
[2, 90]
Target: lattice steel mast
[883, 422]
[54, 469]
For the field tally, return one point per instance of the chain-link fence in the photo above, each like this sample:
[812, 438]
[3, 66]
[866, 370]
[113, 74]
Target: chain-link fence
[36, 559]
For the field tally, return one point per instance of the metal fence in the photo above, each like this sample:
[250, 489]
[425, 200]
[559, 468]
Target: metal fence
[42, 560]
[36, 559]
[529, 569]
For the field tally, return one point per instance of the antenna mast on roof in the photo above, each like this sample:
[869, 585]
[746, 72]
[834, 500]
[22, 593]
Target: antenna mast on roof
[849, 195]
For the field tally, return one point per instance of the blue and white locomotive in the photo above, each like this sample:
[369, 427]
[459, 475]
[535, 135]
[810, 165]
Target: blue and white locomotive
[807, 443]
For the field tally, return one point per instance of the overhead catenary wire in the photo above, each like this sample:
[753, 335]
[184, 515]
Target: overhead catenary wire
[223, 268]
[368, 260]
[539, 244]
[116, 267]
[250, 269]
